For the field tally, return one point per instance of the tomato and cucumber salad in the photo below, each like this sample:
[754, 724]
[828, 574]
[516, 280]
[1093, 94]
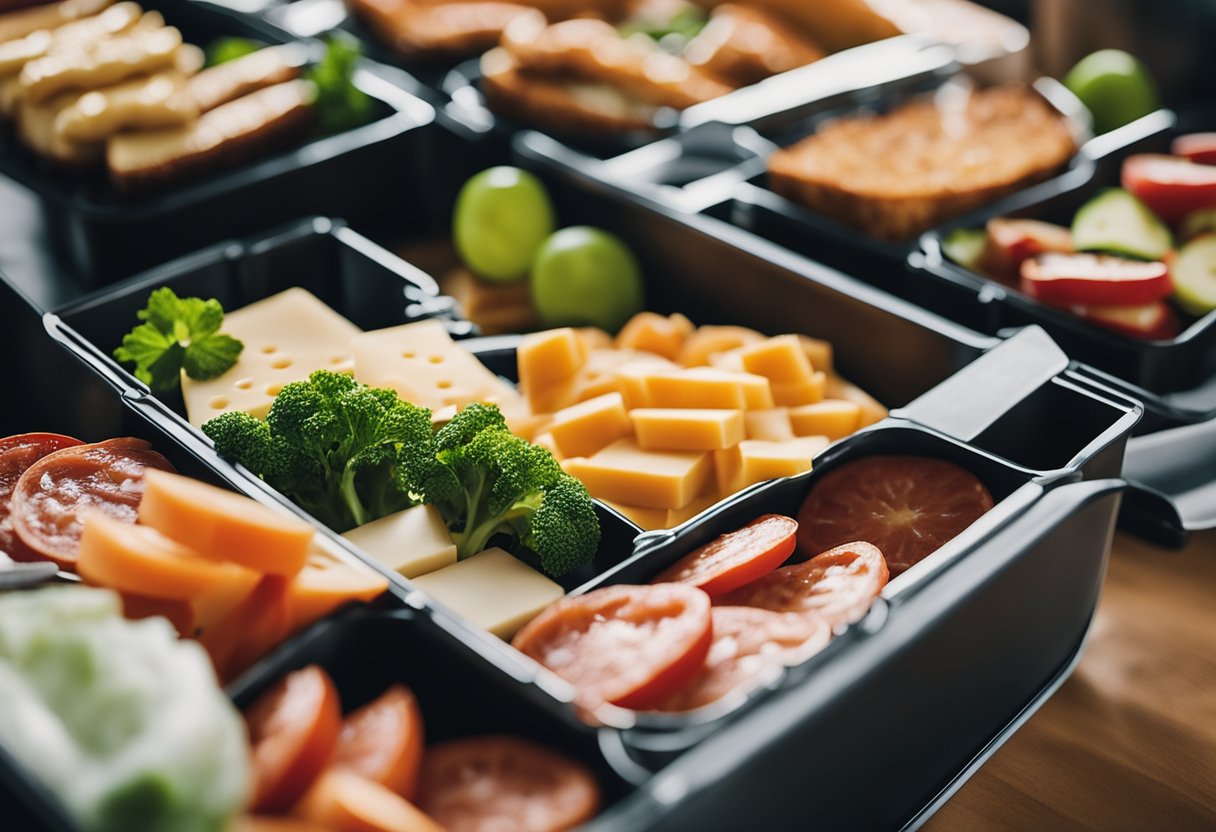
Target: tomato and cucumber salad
[1134, 257]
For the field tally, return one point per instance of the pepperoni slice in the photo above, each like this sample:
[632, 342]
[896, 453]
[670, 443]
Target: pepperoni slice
[505, 784]
[629, 645]
[907, 506]
[16, 454]
[52, 495]
[838, 585]
[748, 641]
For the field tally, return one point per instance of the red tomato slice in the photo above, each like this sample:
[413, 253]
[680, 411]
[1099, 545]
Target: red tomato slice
[1199, 148]
[907, 506]
[629, 645]
[736, 558]
[1094, 279]
[839, 585]
[1150, 321]
[1170, 186]
[1012, 241]
[52, 495]
[16, 454]
[748, 641]
[383, 741]
[293, 729]
[505, 784]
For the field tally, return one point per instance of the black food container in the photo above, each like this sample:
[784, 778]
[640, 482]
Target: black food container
[374, 176]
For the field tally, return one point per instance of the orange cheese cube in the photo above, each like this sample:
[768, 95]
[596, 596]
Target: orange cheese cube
[644, 518]
[797, 393]
[728, 469]
[710, 340]
[546, 441]
[649, 332]
[624, 473]
[631, 381]
[772, 424]
[757, 392]
[707, 387]
[781, 360]
[818, 352]
[687, 429]
[594, 338]
[584, 428]
[768, 460]
[832, 418]
[871, 409]
[676, 516]
[598, 375]
[223, 525]
[550, 356]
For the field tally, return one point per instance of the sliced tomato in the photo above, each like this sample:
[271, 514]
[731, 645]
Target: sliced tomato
[907, 506]
[1072, 279]
[383, 741]
[1149, 321]
[1170, 186]
[747, 642]
[342, 801]
[736, 558]
[838, 585]
[293, 730]
[1012, 241]
[52, 495]
[497, 782]
[16, 454]
[632, 646]
[1199, 148]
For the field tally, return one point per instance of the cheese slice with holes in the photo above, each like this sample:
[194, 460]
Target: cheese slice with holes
[286, 336]
[493, 589]
[426, 367]
[412, 542]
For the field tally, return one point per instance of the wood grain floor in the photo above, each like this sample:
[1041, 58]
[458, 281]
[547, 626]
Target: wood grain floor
[1129, 742]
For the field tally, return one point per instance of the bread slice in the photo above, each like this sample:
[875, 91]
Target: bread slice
[234, 79]
[896, 175]
[18, 24]
[839, 24]
[433, 31]
[145, 103]
[742, 45]
[79, 34]
[108, 62]
[227, 135]
[36, 130]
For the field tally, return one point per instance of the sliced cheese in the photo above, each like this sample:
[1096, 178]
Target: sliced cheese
[493, 589]
[426, 367]
[832, 418]
[286, 336]
[687, 429]
[624, 473]
[584, 428]
[707, 387]
[769, 460]
[412, 542]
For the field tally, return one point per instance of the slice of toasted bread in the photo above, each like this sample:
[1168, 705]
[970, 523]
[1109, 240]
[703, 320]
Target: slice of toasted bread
[234, 79]
[78, 34]
[743, 45]
[564, 105]
[839, 24]
[18, 24]
[112, 60]
[433, 31]
[145, 103]
[227, 135]
[593, 50]
[36, 130]
[896, 175]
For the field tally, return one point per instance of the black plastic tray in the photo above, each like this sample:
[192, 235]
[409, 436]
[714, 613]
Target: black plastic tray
[370, 175]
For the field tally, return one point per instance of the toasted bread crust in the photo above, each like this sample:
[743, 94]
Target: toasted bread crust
[897, 175]
[742, 45]
[229, 81]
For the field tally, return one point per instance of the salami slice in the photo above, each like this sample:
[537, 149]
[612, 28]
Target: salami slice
[16, 454]
[51, 498]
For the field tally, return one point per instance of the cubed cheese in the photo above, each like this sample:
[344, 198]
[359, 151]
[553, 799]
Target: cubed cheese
[871, 409]
[832, 418]
[493, 589]
[818, 352]
[645, 518]
[772, 424]
[624, 473]
[286, 336]
[412, 542]
[422, 363]
[793, 394]
[584, 428]
[649, 332]
[549, 356]
[768, 460]
[707, 387]
[687, 429]
[781, 360]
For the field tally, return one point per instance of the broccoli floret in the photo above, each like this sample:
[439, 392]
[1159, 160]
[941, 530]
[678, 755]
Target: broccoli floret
[489, 482]
[346, 453]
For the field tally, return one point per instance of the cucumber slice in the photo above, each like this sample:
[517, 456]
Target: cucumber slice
[1194, 273]
[965, 246]
[1198, 223]
[1115, 221]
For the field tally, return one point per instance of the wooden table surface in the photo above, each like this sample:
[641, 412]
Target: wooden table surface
[1129, 741]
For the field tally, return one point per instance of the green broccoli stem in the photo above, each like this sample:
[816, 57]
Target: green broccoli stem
[350, 496]
[475, 538]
